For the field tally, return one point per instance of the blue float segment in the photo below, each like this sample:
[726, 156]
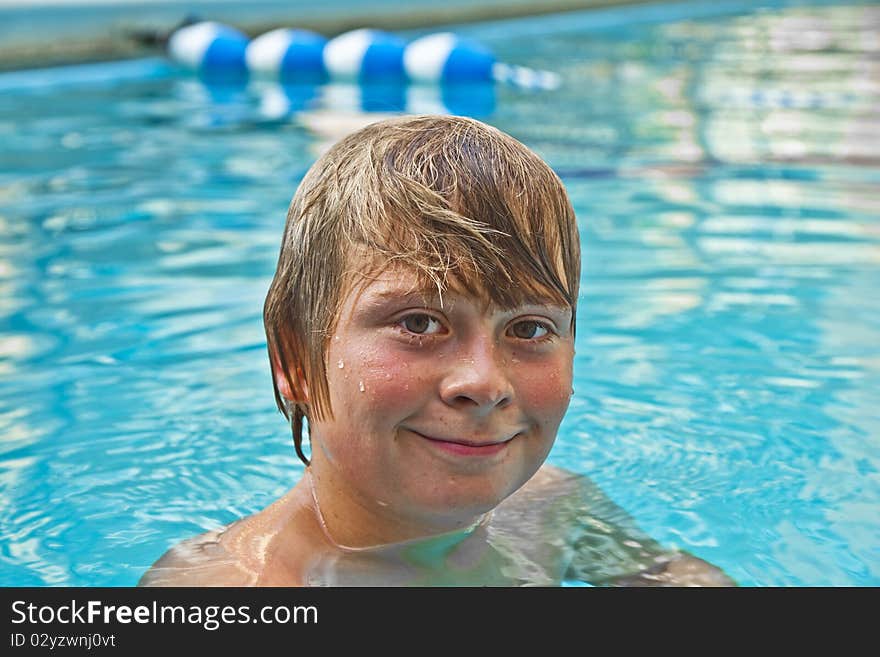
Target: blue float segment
[305, 56]
[365, 55]
[468, 62]
[226, 53]
[210, 48]
[288, 55]
[445, 57]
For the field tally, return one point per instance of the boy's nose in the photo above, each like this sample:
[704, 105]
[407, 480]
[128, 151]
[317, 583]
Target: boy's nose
[478, 380]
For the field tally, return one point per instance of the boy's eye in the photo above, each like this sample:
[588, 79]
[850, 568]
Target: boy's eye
[421, 324]
[530, 330]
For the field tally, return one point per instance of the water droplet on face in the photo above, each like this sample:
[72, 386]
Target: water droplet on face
[361, 386]
[340, 364]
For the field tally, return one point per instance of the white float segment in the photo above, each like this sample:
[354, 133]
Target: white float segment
[344, 54]
[266, 53]
[424, 59]
[189, 44]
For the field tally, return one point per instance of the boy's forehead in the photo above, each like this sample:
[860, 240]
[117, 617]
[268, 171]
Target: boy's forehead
[405, 283]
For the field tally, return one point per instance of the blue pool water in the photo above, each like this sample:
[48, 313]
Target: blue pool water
[725, 171]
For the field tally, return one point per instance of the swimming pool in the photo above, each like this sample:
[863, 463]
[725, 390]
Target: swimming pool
[724, 170]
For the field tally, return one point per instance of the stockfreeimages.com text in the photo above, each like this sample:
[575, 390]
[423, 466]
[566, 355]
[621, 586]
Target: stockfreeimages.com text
[210, 617]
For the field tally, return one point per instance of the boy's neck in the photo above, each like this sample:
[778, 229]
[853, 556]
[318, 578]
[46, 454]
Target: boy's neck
[350, 524]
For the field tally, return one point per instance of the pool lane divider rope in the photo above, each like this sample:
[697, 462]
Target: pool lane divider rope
[363, 55]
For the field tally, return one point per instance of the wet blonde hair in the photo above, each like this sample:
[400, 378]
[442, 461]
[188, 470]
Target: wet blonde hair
[464, 205]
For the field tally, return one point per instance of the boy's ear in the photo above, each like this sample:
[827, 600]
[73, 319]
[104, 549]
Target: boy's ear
[284, 386]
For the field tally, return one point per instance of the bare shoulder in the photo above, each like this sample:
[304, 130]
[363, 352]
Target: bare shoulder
[199, 561]
[608, 547]
[264, 549]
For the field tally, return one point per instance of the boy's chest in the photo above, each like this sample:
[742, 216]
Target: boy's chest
[509, 550]
[473, 564]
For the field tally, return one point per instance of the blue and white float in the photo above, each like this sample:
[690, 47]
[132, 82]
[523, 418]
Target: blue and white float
[365, 55]
[288, 55]
[445, 57]
[448, 58]
[209, 48]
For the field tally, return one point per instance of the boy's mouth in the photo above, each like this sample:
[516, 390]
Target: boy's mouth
[467, 447]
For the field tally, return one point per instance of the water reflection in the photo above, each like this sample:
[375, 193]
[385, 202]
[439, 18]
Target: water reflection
[770, 223]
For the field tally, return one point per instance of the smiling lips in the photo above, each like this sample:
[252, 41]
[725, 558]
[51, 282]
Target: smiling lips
[465, 448]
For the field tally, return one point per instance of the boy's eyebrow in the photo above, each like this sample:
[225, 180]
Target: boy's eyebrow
[430, 294]
[380, 297]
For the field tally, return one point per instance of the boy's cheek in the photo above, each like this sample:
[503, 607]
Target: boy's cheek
[381, 380]
[547, 389]
[377, 378]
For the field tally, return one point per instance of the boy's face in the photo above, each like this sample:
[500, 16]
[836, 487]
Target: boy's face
[440, 412]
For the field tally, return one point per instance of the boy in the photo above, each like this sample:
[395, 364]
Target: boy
[421, 320]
